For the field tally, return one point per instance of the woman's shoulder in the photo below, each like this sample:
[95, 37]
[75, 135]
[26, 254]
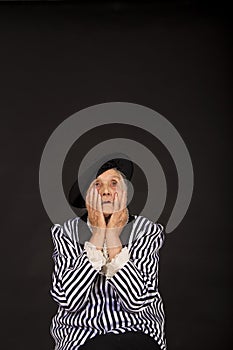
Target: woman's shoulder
[67, 228]
[143, 221]
[144, 226]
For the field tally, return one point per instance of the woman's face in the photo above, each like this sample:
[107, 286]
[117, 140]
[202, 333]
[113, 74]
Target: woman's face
[107, 184]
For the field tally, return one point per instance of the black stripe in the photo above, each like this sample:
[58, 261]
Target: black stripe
[91, 304]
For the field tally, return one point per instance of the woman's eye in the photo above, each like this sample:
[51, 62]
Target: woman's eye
[97, 184]
[114, 183]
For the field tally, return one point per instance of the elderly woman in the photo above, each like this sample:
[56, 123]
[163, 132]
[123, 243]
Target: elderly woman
[105, 277]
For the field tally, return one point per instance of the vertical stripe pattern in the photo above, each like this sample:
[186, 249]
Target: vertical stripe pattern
[90, 304]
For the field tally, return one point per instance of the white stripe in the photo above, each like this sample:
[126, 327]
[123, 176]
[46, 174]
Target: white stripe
[90, 294]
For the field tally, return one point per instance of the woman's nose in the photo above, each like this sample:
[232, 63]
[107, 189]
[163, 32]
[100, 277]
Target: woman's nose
[105, 190]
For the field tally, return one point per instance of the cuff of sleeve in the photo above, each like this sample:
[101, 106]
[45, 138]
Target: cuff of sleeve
[117, 263]
[95, 256]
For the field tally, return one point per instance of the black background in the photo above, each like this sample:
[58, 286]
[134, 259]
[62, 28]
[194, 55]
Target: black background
[172, 56]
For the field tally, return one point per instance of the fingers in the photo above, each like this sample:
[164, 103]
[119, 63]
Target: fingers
[99, 204]
[124, 199]
[123, 194]
[120, 197]
[88, 195]
[96, 199]
[87, 199]
[116, 203]
[94, 203]
[92, 198]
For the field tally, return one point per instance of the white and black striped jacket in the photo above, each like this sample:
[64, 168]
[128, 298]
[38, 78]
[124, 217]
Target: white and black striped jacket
[90, 304]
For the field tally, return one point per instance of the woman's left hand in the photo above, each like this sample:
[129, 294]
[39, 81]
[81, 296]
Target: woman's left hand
[119, 216]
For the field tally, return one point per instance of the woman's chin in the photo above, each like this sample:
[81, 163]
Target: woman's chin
[106, 214]
[107, 209]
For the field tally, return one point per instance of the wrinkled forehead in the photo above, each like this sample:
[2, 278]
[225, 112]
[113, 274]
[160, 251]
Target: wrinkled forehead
[108, 174]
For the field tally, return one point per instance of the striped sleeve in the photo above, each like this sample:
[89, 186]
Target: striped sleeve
[136, 283]
[73, 273]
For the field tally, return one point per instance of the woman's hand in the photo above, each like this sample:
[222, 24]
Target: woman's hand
[94, 207]
[116, 222]
[119, 216]
[115, 225]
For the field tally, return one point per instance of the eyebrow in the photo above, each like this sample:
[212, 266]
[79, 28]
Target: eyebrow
[113, 176]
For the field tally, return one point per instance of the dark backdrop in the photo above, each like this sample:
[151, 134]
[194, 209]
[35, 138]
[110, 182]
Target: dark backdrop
[174, 57]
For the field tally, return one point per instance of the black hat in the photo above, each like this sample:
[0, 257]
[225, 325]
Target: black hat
[124, 165]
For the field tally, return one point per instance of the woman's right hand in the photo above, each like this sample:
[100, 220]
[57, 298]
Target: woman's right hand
[94, 208]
